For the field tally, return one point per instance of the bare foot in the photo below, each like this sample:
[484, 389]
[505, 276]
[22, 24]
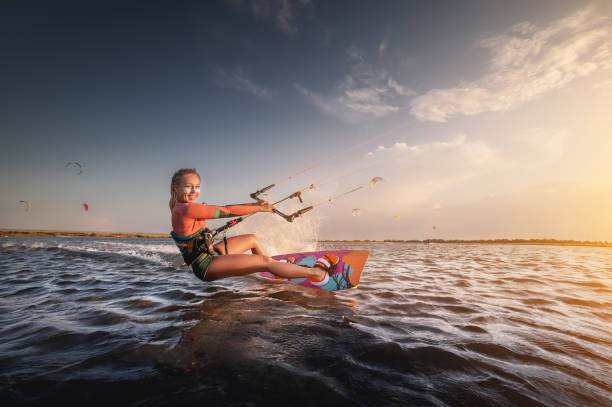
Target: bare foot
[325, 263]
[321, 274]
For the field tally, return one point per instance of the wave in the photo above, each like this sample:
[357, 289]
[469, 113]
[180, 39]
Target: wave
[163, 254]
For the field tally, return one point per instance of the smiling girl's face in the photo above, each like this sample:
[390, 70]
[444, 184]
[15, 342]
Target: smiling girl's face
[189, 188]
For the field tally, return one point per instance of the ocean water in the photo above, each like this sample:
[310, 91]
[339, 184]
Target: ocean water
[99, 321]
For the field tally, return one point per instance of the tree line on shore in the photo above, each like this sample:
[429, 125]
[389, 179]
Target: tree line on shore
[70, 233]
[558, 242]
[487, 241]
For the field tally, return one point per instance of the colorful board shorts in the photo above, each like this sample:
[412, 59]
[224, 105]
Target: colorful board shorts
[201, 264]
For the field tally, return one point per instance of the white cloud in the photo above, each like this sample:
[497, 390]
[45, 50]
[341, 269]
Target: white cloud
[281, 11]
[355, 100]
[399, 89]
[470, 153]
[398, 147]
[329, 107]
[364, 92]
[382, 47]
[355, 53]
[238, 79]
[284, 18]
[525, 63]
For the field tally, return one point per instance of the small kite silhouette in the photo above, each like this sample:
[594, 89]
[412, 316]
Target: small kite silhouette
[397, 218]
[85, 206]
[28, 206]
[355, 211]
[77, 164]
[375, 180]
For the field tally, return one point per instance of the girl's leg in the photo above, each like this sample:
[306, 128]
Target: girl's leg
[240, 244]
[242, 264]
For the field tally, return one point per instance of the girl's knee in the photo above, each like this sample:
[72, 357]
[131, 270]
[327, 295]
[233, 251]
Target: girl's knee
[267, 262]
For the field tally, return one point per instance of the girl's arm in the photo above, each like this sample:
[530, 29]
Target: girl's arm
[201, 211]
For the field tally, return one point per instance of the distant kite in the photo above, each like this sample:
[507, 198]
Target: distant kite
[28, 206]
[355, 211]
[397, 218]
[77, 164]
[434, 228]
[374, 181]
[85, 206]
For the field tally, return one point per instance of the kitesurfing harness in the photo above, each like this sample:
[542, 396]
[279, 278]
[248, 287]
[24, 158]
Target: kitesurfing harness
[194, 245]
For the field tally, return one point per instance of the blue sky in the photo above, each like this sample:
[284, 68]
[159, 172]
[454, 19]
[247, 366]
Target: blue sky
[486, 118]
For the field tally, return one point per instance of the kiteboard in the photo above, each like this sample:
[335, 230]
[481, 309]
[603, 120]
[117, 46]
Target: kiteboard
[346, 273]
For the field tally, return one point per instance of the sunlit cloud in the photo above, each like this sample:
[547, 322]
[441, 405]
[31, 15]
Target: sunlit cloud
[473, 152]
[238, 79]
[419, 173]
[413, 171]
[604, 85]
[397, 147]
[544, 144]
[525, 63]
[421, 179]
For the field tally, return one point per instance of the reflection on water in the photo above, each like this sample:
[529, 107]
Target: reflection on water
[112, 320]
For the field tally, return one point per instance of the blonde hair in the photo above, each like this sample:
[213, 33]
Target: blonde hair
[176, 180]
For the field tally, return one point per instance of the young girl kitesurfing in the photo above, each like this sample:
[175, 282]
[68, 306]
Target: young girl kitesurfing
[210, 261]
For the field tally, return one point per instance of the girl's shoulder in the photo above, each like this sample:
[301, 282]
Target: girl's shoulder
[179, 207]
[184, 208]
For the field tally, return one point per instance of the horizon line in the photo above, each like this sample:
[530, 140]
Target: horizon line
[93, 233]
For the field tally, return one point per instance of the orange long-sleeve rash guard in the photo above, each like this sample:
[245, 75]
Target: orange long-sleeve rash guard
[188, 218]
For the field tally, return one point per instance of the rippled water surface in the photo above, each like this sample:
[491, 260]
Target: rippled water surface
[112, 321]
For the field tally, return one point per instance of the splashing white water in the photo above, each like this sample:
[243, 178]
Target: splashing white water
[279, 236]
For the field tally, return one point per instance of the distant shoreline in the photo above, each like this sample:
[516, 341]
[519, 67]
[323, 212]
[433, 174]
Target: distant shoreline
[139, 235]
[540, 242]
[82, 233]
